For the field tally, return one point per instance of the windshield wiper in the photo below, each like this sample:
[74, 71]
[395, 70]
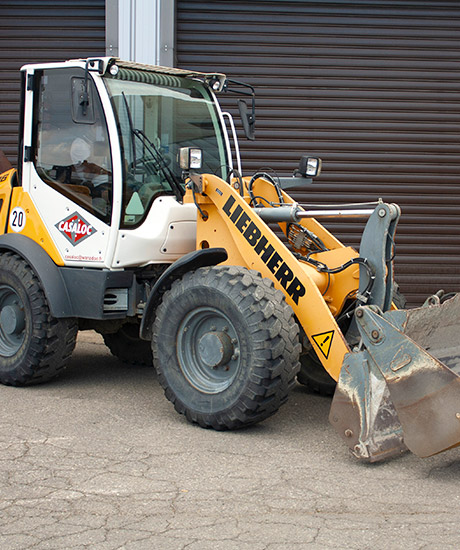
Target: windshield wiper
[160, 163]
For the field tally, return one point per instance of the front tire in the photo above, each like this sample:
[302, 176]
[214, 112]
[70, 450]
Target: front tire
[34, 346]
[225, 346]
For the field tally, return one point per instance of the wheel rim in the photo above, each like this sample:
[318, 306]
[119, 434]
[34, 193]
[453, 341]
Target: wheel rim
[208, 350]
[12, 321]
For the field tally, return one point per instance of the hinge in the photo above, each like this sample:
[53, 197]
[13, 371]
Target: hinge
[30, 82]
[27, 153]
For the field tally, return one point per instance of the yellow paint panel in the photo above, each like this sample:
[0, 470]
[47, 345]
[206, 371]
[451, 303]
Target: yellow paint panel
[343, 284]
[34, 227]
[5, 194]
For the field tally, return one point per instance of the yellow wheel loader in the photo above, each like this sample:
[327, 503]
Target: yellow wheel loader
[128, 214]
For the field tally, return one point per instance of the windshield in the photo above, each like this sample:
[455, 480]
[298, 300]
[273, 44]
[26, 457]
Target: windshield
[158, 114]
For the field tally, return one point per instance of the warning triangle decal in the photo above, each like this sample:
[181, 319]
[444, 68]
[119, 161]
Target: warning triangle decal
[324, 341]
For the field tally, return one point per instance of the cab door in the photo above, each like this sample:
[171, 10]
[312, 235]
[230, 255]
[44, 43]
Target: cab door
[69, 176]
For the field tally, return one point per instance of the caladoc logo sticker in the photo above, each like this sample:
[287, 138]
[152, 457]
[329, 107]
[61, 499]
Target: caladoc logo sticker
[75, 228]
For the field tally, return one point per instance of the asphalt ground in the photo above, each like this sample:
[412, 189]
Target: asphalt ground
[99, 460]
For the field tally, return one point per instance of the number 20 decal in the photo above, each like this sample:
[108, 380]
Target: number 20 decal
[17, 219]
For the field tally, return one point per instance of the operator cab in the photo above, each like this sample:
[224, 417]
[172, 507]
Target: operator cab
[101, 154]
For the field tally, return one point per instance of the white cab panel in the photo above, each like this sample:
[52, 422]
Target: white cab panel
[81, 238]
[168, 232]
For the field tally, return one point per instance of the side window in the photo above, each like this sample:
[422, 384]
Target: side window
[72, 152]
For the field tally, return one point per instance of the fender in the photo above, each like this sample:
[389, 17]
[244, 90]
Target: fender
[189, 262]
[72, 291]
[44, 268]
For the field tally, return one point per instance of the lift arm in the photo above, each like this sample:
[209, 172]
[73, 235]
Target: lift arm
[227, 220]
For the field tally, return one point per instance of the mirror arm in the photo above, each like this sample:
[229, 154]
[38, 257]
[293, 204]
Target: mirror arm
[251, 93]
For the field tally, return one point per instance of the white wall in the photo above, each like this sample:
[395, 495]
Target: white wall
[141, 30]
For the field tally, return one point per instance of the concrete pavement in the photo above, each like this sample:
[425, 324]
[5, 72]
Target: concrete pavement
[99, 460]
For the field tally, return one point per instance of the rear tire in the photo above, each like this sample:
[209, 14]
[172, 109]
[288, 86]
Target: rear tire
[126, 345]
[34, 346]
[225, 346]
[313, 375]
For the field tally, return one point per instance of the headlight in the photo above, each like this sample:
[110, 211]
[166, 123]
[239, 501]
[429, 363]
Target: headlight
[190, 158]
[309, 167]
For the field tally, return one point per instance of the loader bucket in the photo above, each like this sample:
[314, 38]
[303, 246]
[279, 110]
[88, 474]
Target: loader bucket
[402, 388]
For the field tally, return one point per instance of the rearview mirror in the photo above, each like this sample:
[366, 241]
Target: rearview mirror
[248, 119]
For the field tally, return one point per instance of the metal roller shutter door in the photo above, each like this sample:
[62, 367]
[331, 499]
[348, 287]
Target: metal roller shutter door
[33, 31]
[372, 87]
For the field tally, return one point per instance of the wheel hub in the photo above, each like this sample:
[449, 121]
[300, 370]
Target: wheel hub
[12, 319]
[215, 349]
[208, 349]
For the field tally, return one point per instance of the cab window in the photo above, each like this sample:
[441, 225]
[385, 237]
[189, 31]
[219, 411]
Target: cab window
[71, 144]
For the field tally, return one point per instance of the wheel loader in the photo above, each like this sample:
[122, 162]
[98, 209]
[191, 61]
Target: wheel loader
[128, 214]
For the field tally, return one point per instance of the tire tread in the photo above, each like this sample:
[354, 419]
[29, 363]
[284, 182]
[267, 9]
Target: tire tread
[276, 345]
[51, 340]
